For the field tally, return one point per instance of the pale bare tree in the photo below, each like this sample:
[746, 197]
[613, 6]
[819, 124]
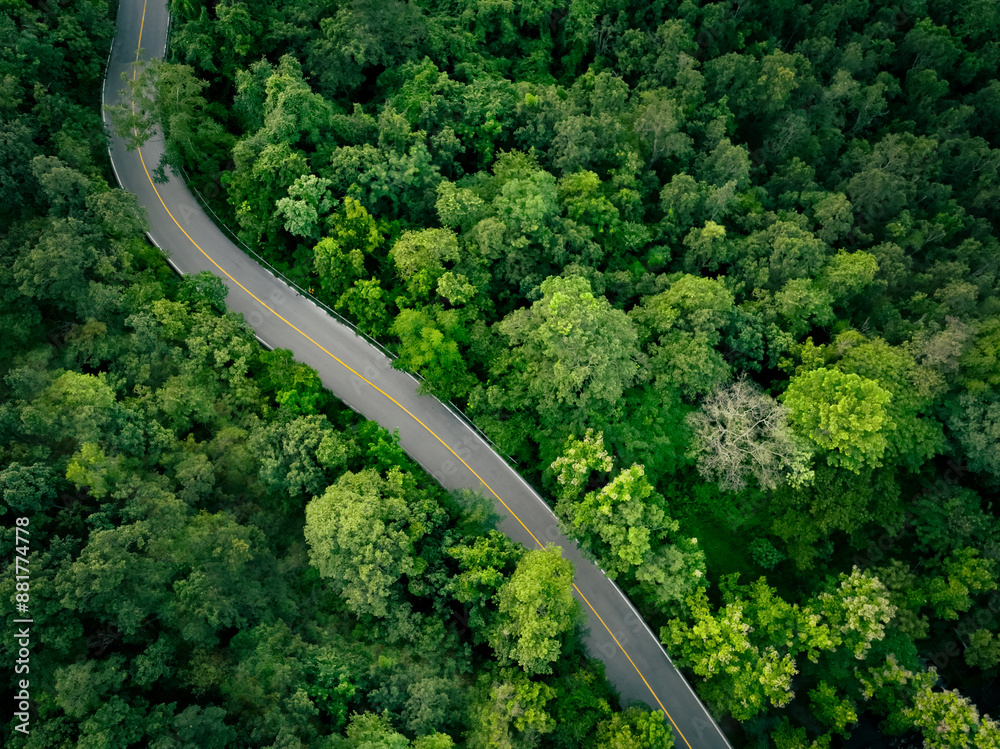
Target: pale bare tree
[742, 431]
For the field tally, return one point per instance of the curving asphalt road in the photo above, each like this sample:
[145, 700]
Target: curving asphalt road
[361, 376]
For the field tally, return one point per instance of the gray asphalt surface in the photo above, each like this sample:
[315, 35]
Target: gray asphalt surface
[362, 377]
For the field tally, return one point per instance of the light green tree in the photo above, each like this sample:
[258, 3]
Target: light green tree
[672, 573]
[634, 728]
[625, 524]
[420, 256]
[857, 611]
[848, 273]
[581, 193]
[787, 736]
[458, 207]
[833, 212]
[963, 574]
[572, 356]
[580, 458]
[361, 533]
[802, 305]
[339, 258]
[430, 350]
[981, 362]
[536, 611]
[684, 323]
[484, 566]
[834, 710]
[914, 388]
[366, 303]
[508, 711]
[741, 677]
[844, 414]
[706, 247]
[307, 202]
[374, 731]
[948, 720]
[455, 288]
[889, 687]
[75, 406]
[618, 522]
[90, 467]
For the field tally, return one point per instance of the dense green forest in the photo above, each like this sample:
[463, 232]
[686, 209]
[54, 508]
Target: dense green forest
[721, 276]
[222, 554]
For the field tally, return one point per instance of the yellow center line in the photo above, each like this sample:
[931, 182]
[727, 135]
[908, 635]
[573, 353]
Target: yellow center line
[376, 387]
